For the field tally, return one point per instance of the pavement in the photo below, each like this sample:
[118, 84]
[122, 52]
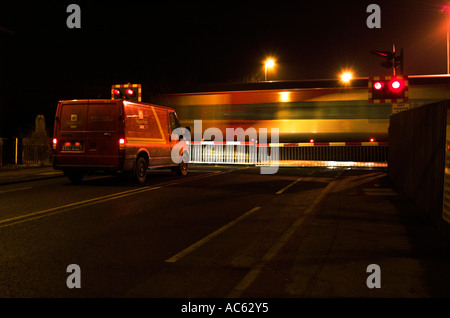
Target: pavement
[365, 239]
[362, 240]
[382, 246]
[11, 174]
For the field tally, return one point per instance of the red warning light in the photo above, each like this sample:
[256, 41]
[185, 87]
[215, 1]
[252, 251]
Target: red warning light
[126, 91]
[388, 89]
[311, 140]
[396, 85]
[372, 139]
[378, 85]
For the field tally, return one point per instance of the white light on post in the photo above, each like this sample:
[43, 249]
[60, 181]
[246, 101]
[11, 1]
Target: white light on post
[268, 64]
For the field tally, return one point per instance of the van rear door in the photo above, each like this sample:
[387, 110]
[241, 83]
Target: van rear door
[102, 139]
[72, 134]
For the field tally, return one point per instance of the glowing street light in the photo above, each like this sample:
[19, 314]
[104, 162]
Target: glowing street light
[269, 63]
[446, 9]
[346, 77]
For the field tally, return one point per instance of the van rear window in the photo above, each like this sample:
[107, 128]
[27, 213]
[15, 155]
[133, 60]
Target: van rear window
[73, 117]
[103, 117]
[98, 117]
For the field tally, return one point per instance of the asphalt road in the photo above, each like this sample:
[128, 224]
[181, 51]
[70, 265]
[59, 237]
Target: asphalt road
[219, 232]
[122, 235]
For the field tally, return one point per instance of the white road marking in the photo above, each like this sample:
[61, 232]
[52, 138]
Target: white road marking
[251, 276]
[292, 183]
[19, 189]
[93, 201]
[288, 186]
[199, 243]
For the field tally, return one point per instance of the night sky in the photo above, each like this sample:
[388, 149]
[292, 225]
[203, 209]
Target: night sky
[168, 46]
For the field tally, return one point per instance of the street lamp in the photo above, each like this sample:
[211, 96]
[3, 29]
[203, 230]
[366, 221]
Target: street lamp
[269, 63]
[446, 9]
[346, 77]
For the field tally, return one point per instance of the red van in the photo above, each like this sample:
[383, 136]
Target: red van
[115, 136]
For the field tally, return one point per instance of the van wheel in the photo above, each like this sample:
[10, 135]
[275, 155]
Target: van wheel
[74, 176]
[182, 167]
[140, 170]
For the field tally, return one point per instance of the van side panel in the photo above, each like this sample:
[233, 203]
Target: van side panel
[172, 125]
[145, 128]
[163, 116]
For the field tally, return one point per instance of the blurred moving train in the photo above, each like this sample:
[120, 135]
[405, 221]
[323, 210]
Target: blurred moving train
[319, 110]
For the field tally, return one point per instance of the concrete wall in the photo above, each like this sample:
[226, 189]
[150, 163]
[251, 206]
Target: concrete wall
[417, 140]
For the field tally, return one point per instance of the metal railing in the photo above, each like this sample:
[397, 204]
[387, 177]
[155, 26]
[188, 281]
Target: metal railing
[25, 151]
[36, 152]
[237, 152]
[230, 152]
[296, 154]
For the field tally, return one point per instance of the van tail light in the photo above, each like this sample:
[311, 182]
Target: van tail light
[54, 142]
[122, 144]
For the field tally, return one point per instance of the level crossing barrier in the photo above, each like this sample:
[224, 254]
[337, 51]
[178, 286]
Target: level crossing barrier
[289, 154]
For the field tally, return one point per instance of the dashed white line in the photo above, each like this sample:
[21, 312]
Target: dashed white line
[199, 243]
[292, 183]
[288, 186]
[251, 276]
